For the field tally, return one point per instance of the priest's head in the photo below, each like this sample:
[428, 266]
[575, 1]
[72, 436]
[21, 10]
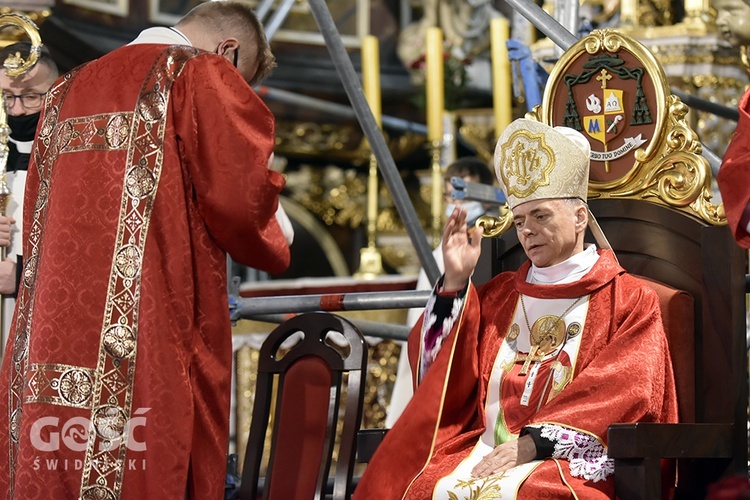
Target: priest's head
[232, 30]
[544, 173]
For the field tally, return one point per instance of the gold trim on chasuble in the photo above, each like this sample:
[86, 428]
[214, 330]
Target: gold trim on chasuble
[106, 390]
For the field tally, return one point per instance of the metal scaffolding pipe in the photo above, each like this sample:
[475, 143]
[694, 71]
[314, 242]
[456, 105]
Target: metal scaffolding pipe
[713, 160]
[387, 166]
[369, 328]
[262, 10]
[364, 301]
[278, 18]
[707, 106]
[336, 109]
[544, 23]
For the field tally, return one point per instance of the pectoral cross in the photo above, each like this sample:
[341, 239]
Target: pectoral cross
[531, 357]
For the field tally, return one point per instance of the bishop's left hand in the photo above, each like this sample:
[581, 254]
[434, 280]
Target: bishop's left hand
[506, 456]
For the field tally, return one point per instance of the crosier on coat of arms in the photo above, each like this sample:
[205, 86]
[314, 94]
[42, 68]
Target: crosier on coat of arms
[610, 108]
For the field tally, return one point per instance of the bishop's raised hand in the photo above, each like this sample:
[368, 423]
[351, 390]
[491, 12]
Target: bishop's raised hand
[461, 250]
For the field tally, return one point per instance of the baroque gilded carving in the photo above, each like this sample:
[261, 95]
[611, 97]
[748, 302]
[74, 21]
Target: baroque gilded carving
[336, 142]
[667, 168]
[642, 146]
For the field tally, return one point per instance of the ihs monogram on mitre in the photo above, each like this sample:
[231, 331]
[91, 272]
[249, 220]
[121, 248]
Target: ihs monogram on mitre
[526, 162]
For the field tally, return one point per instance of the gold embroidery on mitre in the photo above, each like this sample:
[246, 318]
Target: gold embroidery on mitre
[534, 161]
[526, 163]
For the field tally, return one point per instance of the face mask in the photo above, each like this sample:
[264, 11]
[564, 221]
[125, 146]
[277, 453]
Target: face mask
[473, 209]
[23, 127]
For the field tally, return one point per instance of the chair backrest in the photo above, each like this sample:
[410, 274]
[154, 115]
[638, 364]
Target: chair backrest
[302, 387]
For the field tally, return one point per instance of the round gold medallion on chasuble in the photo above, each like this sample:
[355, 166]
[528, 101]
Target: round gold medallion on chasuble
[548, 333]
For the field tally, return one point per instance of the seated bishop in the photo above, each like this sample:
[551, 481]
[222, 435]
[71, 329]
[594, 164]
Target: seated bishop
[516, 381]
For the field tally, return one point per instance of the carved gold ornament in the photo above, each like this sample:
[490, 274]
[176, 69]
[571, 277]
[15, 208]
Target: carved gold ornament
[664, 163]
[612, 89]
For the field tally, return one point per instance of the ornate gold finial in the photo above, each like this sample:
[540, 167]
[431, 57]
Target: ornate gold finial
[15, 64]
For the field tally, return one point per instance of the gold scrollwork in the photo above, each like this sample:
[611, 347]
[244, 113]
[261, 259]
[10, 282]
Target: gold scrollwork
[599, 40]
[669, 170]
[493, 227]
[674, 174]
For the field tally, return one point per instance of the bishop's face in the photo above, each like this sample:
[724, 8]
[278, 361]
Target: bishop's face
[733, 21]
[551, 230]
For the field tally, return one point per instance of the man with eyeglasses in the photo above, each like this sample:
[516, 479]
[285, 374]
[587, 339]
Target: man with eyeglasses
[151, 164]
[24, 96]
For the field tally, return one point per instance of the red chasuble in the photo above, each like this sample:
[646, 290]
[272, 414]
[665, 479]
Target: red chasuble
[734, 175]
[623, 374]
[150, 164]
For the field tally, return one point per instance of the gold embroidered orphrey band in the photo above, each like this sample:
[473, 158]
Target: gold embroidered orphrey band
[47, 141]
[106, 390]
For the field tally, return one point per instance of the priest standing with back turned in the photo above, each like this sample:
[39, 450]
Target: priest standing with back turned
[150, 165]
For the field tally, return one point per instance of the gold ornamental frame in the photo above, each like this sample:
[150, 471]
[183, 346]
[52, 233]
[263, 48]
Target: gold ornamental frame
[669, 170]
[663, 164]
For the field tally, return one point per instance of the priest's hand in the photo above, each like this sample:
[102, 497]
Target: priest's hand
[506, 456]
[6, 225]
[461, 249]
[7, 276]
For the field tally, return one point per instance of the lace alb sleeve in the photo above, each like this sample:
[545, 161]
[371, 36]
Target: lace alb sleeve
[585, 453]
